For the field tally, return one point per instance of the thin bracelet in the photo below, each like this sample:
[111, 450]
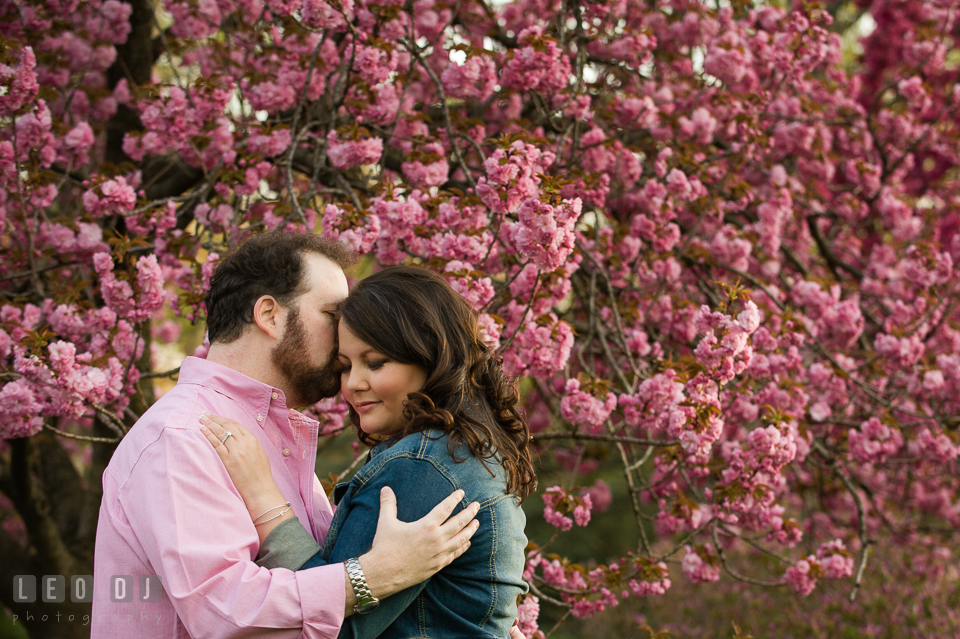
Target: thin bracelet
[271, 510]
[280, 514]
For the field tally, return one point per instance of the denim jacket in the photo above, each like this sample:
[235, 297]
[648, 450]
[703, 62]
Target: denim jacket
[476, 595]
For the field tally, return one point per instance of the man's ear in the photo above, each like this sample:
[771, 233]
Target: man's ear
[268, 316]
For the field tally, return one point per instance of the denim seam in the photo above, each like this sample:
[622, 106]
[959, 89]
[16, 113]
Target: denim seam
[493, 501]
[493, 569]
[422, 615]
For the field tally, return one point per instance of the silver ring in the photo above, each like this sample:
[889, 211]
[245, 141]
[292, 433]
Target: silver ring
[227, 435]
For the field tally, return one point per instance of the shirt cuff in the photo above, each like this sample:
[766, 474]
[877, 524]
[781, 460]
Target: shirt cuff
[289, 546]
[322, 598]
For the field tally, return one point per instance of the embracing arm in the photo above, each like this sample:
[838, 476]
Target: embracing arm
[190, 528]
[288, 546]
[398, 556]
[419, 487]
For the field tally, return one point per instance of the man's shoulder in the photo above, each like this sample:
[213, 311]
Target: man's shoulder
[170, 411]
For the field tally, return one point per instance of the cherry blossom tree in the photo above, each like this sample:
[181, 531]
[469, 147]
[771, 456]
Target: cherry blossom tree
[709, 237]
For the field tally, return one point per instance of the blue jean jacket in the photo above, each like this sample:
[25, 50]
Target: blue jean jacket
[476, 595]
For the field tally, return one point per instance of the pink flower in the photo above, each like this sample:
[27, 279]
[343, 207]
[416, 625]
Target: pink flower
[77, 144]
[475, 78]
[700, 565]
[545, 233]
[346, 154]
[558, 503]
[428, 168]
[320, 14]
[899, 352]
[799, 577]
[20, 83]
[528, 612]
[115, 197]
[701, 126]
[540, 350]
[373, 64]
[874, 442]
[118, 294]
[835, 560]
[539, 66]
[583, 409]
[19, 410]
[270, 145]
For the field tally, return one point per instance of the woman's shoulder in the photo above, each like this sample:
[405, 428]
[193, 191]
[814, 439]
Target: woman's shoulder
[428, 445]
[418, 444]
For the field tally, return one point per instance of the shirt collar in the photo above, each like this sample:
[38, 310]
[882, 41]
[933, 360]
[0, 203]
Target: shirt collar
[251, 394]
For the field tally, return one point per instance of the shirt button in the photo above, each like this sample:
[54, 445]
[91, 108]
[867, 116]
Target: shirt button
[275, 396]
[286, 452]
[259, 418]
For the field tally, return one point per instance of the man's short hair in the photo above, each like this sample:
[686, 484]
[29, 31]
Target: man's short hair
[267, 264]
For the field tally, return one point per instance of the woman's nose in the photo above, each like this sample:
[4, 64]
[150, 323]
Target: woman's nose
[355, 381]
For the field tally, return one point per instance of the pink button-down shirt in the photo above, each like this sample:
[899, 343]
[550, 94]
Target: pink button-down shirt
[170, 509]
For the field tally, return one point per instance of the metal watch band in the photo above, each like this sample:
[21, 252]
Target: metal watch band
[366, 602]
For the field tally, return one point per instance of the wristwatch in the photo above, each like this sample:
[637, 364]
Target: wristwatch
[366, 602]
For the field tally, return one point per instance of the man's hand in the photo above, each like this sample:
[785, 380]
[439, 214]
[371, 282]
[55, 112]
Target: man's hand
[404, 554]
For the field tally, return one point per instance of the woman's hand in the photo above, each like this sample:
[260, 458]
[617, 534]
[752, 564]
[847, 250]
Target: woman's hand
[515, 632]
[247, 464]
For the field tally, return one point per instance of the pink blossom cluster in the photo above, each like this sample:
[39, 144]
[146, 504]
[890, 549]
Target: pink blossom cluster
[111, 197]
[69, 379]
[348, 153]
[475, 78]
[528, 614]
[730, 354]
[874, 442]
[545, 233]
[119, 294]
[542, 347]
[700, 564]
[583, 409]
[558, 504]
[832, 561]
[538, 66]
[511, 176]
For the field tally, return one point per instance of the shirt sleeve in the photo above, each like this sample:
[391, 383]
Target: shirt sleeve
[289, 546]
[198, 536]
[419, 486]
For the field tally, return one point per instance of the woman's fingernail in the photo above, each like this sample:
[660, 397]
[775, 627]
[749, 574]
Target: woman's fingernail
[205, 413]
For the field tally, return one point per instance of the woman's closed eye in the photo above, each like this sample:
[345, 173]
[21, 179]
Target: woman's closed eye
[376, 364]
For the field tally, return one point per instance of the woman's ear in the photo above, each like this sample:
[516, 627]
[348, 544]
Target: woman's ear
[268, 315]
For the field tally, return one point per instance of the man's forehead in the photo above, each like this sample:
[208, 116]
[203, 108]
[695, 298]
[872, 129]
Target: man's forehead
[325, 280]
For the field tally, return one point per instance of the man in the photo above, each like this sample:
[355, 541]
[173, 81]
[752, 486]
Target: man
[170, 510]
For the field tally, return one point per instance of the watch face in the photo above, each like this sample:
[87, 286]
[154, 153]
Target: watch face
[369, 606]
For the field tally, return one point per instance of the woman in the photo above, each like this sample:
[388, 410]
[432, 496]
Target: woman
[434, 402]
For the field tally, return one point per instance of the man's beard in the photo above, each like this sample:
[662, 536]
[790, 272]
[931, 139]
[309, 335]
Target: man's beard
[309, 383]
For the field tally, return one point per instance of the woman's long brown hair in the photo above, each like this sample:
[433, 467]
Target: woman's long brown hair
[413, 316]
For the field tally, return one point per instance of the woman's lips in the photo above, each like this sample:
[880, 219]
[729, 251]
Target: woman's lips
[364, 407]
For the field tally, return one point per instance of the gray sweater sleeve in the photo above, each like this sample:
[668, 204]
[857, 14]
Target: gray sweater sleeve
[288, 546]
